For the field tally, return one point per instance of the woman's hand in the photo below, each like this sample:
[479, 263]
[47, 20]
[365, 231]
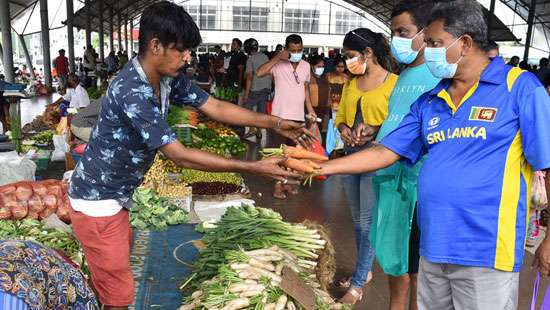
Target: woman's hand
[363, 134]
[346, 134]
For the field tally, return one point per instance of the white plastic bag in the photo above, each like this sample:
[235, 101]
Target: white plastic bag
[539, 197]
[15, 168]
[61, 147]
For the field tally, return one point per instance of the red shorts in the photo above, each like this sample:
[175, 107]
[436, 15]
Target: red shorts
[106, 243]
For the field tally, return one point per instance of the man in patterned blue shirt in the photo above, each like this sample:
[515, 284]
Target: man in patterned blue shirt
[131, 128]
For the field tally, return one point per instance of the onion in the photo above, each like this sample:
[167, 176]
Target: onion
[32, 215]
[20, 210]
[7, 199]
[8, 189]
[5, 213]
[54, 188]
[35, 204]
[23, 192]
[50, 201]
[63, 213]
[46, 213]
[40, 189]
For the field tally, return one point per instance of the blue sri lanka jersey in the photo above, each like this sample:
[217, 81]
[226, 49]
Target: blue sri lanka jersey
[474, 188]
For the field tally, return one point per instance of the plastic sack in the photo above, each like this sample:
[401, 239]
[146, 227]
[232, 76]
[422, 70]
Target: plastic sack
[391, 222]
[61, 128]
[61, 147]
[317, 147]
[334, 141]
[35, 200]
[15, 168]
[538, 196]
[546, 301]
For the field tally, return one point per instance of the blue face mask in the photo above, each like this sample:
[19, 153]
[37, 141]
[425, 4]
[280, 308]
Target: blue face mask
[296, 57]
[402, 50]
[436, 60]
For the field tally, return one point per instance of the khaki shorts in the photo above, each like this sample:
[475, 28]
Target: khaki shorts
[448, 287]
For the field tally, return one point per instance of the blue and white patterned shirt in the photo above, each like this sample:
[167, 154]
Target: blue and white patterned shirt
[130, 129]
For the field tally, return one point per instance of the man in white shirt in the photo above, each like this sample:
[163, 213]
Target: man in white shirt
[76, 95]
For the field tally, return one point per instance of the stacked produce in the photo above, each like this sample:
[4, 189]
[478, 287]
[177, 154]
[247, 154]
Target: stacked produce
[37, 125]
[180, 116]
[44, 138]
[245, 252]
[34, 200]
[221, 129]
[53, 238]
[215, 188]
[207, 139]
[299, 159]
[227, 93]
[150, 211]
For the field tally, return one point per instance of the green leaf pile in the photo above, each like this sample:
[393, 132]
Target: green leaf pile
[152, 212]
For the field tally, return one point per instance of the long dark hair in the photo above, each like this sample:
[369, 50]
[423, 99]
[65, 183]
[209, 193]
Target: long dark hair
[362, 38]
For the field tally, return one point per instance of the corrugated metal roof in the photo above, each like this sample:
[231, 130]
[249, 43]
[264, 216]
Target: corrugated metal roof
[379, 9]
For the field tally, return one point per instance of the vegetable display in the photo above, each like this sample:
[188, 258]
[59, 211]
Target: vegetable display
[53, 238]
[207, 139]
[244, 255]
[214, 188]
[180, 116]
[44, 137]
[152, 212]
[34, 200]
[227, 93]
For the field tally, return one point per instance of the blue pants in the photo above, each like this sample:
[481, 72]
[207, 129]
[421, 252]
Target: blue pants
[361, 199]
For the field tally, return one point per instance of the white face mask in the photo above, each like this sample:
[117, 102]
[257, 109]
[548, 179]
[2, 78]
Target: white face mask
[296, 57]
[319, 71]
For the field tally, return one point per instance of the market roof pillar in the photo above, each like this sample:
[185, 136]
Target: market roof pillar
[492, 10]
[46, 43]
[101, 34]
[126, 34]
[27, 56]
[70, 34]
[131, 37]
[7, 57]
[119, 32]
[111, 29]
[530, 22]
[88, 23]
[1, 52]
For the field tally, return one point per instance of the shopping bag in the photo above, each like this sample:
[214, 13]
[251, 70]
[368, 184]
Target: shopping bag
[391, 222]
[331, 136]
[317, 146]
[269, 106]
[546, 301]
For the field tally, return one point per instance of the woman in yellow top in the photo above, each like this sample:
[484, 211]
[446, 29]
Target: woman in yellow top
[363, 108]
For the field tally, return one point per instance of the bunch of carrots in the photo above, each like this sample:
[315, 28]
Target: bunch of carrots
[298, 159]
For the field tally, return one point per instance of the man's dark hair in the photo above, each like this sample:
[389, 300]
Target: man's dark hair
[543, 63]
[315, 59]
[169, 23]
[462, 17]
[418, 9]
[239, 42]
[73, 79]
[61, 51]
[293, 39]
[492, 45]
[515, 58]
[279, 46]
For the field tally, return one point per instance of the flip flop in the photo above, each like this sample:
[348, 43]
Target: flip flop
[352, 296]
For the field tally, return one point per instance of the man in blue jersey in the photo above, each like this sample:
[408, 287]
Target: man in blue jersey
[485, 129]
[396, 240]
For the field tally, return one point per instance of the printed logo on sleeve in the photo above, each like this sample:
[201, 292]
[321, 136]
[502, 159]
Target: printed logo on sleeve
[483, 114]
[433, 123]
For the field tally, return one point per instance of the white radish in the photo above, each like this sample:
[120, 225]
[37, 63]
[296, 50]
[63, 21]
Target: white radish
[243, 287]
[269, 258]
[236, 304]
[336, 306]
[238, 267]
[281, 302]
[248, 281]
[261, 264]
[262, 252]
[251, 293]
[290, 305]
[189, 306]
[263, 272]
[196, 294]
[279, 269]
[270, 306]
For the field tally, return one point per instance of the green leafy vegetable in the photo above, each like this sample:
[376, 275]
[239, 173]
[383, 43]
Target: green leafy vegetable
[153, 212]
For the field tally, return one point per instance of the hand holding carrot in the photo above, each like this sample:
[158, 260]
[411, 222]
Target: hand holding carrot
[296, 132]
